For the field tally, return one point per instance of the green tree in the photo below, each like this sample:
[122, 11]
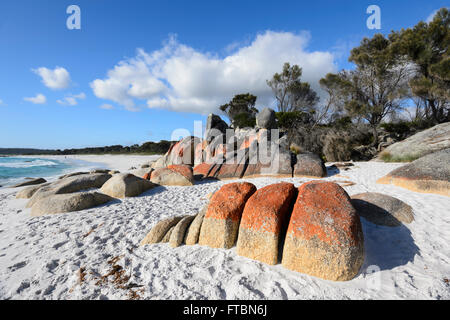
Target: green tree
[426, 46]
[376, 87]
[241, 110]
[291, 93]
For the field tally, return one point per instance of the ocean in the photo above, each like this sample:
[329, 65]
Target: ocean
[15, 169]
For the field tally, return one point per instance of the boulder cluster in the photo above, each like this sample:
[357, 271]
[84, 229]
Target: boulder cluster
[225, 153]
[81, 190]
[313, 229]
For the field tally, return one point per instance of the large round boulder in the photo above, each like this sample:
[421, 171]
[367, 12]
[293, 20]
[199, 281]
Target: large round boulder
[324, 238]
[221, 223]
[68, 202]
[263, 222]
[124, 185]
[266, 119]
[173, 175]
[382, 209]
[309, 165]
[69, 185]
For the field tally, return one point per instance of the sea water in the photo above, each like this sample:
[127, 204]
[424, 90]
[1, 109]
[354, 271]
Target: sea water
[16, 169]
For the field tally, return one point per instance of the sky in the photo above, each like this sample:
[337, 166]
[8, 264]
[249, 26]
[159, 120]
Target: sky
[137, 70]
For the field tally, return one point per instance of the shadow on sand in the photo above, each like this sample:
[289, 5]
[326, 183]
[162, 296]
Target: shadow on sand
[387, 247]
[332, 170]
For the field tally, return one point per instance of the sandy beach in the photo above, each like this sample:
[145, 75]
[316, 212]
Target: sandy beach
[67, 256]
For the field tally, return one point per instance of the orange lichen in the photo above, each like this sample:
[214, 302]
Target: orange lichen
[229, 201]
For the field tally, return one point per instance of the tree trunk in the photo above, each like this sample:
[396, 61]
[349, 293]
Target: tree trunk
[375, 136]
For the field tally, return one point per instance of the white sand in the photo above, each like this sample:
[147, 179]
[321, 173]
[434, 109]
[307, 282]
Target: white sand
[40, 258]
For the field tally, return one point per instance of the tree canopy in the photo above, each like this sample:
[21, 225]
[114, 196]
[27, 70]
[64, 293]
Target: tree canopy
[426, 47]
[241, 110]
[290, 92]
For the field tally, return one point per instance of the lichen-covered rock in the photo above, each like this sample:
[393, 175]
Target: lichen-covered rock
[126, 185]
[185, 170]
[68, 202]
[148, 175]
[265, 217]
[309, 165]
[179, 232]
[159, 231]
[193, 232]
[233, 166]
[221, 223]
[324, 238]
[170, 177]
[382, 209]
[429, 174]
[201, 170]
[183, 152]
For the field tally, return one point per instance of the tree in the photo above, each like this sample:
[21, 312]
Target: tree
[290, 92]
[426, 46]
[376, 87]
[241, 110]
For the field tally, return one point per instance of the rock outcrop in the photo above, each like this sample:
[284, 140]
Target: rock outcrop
[30, 182]
[422, 143]
[429, 174]
[313, 229]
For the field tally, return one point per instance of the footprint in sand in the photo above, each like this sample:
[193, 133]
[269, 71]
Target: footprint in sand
[17, 266]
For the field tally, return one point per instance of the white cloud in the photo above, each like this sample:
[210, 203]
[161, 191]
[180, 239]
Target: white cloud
[38, 99]
[72, 99]
[2, 103]
[106, 106]
[56, 79]
[432, 14]
[180, 78]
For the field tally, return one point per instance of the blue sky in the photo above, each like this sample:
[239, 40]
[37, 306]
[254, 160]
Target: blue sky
[161, 65]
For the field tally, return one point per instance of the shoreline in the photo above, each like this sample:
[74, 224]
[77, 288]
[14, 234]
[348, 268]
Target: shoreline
[122, 163]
